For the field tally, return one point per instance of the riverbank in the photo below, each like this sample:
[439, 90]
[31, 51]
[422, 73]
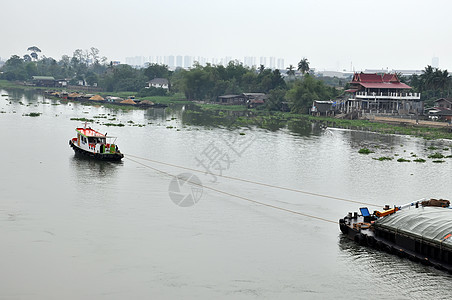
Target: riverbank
[173, 98]
[423, 129]
[272, 120]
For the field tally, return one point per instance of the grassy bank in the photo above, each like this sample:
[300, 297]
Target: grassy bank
[366, 125]
[414, 130]
[213, 107]
[5, 84]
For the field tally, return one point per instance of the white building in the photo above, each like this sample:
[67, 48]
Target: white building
[158, 83]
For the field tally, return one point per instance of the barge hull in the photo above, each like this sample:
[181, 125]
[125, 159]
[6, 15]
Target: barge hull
[355, 229]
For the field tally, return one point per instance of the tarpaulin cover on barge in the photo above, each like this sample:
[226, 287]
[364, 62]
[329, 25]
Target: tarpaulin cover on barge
[425, 225]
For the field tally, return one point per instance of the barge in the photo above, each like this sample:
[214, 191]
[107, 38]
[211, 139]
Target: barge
[420, 231]
[93, 144]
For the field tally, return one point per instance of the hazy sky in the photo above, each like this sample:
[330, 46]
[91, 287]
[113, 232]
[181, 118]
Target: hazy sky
[332, 34]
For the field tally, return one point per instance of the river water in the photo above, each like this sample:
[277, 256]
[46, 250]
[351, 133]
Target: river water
[73, 228]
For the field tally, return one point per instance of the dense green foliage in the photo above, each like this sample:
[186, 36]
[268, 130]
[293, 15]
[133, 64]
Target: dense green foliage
[303, 92]
[432, 84]
[210, 81]
[83, 65]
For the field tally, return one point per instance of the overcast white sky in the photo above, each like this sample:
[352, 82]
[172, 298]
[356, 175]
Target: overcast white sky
[332, 34]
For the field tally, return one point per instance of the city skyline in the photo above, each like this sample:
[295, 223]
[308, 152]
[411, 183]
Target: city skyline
[332, 35]
[187, 61]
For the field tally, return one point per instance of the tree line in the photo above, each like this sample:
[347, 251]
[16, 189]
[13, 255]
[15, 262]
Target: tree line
[197, 83]
[203, 82]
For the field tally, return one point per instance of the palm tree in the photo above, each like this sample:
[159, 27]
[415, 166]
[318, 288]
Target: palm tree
[291, 71]
[427, 78]
[441, 80]
[303, 65]
[436, 80]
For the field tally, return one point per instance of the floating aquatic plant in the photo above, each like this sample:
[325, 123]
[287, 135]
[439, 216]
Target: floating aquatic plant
[382, 158]
[365, 151]
[436, 155]
[32, 114]
[403, 160]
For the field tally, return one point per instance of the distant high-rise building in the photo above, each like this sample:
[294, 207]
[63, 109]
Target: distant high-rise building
[202, 60]
[179, 62]
[272, 62]
[435, 62]
[249, 61]
[171, 62]
[263, 61]
[188, 61]
[280, 64]
[136, 61]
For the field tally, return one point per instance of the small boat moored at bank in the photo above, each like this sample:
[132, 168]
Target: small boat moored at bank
[420, 231]
[92, 143]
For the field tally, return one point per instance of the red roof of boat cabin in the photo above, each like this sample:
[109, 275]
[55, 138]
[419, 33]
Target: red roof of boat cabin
[90, 132]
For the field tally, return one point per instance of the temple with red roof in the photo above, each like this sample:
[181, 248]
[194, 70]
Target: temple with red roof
[381, 93]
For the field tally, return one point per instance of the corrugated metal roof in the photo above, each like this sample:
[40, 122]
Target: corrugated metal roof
[43, 78]
[162, 81]
[230, 96]
[433, 224]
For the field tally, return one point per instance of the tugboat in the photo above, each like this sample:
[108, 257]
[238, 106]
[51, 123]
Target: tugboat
[94, 144]
[420, 231]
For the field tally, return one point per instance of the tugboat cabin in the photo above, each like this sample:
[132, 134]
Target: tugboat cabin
[94, 141]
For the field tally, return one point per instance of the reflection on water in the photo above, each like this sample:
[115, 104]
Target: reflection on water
[92, 170]
[156, 113]
[304, 127]
[194, 115]
[20, 95]
[414, 279]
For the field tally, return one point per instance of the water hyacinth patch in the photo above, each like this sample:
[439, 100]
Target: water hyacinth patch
[403, 160]
[436, 155]
[382, 158]
[420, 160]
[365, 151]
